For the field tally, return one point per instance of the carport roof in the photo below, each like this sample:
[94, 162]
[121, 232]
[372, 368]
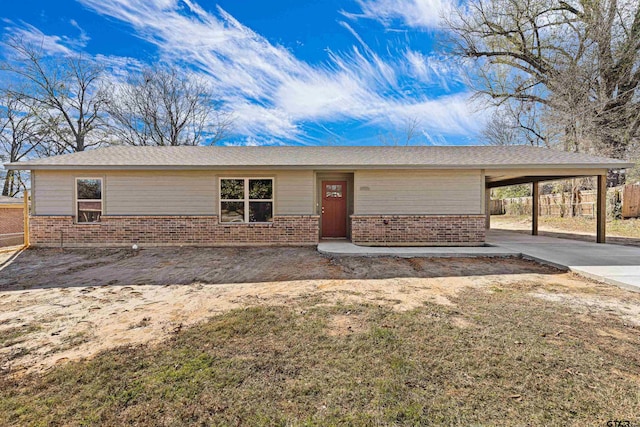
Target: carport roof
[326, 157]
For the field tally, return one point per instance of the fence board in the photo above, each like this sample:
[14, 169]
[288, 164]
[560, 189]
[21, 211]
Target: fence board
[631, 201]
[561, 204]
[496, 207]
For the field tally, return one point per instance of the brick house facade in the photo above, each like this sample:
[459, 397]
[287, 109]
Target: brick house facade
[433, 230]
[63, 231]
[220, 196]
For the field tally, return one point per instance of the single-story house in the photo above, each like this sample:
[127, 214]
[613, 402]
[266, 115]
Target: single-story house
[419, 195]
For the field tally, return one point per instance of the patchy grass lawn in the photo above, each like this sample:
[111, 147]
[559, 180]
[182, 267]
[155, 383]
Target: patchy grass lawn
[332, 341]
[495, 358]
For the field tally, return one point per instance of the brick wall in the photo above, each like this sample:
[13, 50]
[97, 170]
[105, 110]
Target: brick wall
[419, 230]
[171, 231]
[11, 221]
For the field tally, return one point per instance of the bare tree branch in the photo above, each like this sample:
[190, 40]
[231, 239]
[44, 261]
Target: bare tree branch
[64, 93]
[163, 106]
[21, 134]
[574, 63]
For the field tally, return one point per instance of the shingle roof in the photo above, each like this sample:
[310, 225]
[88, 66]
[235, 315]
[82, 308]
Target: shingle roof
[4, 200]
[422, 157]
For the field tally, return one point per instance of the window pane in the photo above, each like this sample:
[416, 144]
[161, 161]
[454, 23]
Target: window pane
[89, 211]
[260, 212]
[232, 212]
[231, 189]
[260, 189]
[89, 189]
[334, 190]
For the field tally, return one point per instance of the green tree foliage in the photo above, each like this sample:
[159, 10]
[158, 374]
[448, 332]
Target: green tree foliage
[523, 190]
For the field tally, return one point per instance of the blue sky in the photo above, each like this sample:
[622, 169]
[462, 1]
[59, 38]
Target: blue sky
[292, 71]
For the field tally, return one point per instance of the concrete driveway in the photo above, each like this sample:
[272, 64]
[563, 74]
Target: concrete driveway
[615, 264]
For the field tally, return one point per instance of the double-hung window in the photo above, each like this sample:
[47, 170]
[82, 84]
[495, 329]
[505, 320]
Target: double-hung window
[246, 200]
[88, 199]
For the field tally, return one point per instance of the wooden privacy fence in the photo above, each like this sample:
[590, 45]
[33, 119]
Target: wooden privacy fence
[631, 201]
[623, 201]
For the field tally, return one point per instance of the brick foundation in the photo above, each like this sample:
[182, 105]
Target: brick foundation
[418, 230]
[60, 231]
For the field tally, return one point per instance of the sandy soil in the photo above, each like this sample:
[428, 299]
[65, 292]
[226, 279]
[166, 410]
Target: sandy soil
[64, 305]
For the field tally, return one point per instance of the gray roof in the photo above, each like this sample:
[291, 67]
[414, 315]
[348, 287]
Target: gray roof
[326, 157]
[5, 200]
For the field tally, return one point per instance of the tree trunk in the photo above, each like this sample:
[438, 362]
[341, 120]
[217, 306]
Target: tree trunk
[574, 198]
[7, 178]
[79, 143]
[9, 188]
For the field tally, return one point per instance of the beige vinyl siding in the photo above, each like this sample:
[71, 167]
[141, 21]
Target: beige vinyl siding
[418, 192]
[164, 192]
[294, 193]
[160, 193]
[54, 193]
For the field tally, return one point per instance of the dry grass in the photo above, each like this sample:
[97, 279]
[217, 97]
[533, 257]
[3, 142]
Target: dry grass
[16, 334]
[493, 358]
[616, 228]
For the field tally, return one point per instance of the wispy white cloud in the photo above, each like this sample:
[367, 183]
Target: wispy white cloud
[83, 37]
[49, 44]
[447, 115]
[251, 141]
[424, 14]
[258, 120]
[276, 96]
[53, 45]
[433, 69]
[119, 67]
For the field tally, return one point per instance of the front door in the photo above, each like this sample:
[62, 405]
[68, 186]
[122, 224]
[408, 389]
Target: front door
[334, 208]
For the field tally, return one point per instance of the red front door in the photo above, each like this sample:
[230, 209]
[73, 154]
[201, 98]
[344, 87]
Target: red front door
[334, 208]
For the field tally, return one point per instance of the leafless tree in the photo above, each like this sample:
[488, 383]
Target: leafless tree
[64, 94]
[403, 136]
[165, 106]
[514, 124]
[21, 134]
[575, 64]
[501, 129]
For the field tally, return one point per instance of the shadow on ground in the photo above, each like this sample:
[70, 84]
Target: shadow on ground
[52, 268]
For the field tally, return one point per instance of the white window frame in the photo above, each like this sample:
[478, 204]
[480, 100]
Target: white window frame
[246, 200]
[101, 200]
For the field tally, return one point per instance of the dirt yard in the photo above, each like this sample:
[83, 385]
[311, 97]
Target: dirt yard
[619, 231]
[286, 336]
[61, 305]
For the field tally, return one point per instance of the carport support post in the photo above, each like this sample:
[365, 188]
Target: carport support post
[601, 211]
[487, 208]
[535, 209]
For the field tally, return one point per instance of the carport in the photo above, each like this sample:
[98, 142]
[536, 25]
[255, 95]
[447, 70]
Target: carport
[505, 177]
